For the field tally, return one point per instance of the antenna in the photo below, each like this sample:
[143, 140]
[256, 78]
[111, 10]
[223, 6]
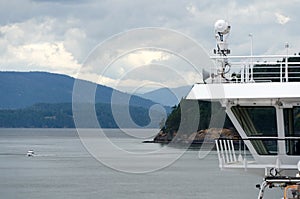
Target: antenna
[222, 29]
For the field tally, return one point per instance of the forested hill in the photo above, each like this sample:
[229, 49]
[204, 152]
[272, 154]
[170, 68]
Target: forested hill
[61, 116]
[24, 89]
[44, 100]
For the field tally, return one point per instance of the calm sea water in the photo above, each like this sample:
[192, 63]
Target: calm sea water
[64, 169]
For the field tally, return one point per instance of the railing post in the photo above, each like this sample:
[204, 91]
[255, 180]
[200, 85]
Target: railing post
[247, 73]
[222, 151]
[280, 72]
[286, 62]
[286, 69]
[245, 158]
[219, 153]
[233, 151]
[251, 73]
[226, 151]
[251, 52]
[242, 73]
[230, 151]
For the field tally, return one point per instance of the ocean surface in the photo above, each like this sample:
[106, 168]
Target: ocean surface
[64, 169]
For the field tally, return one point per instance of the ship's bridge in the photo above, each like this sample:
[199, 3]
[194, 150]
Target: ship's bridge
[261, 96]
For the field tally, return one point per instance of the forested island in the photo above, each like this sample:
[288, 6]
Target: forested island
[210, 124]
[61, 116]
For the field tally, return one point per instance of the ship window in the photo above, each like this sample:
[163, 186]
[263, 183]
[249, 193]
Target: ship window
[259, 122]
[265, 146]
[292, 130]
[292, 146]
[292, 122]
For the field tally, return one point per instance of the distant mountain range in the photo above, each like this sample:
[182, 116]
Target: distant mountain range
[167, 96]
[44, 100]
[24, 89]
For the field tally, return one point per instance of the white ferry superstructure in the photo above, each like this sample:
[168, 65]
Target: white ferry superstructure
[249, 87]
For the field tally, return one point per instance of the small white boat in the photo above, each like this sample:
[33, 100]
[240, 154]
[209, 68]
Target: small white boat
[30, 153]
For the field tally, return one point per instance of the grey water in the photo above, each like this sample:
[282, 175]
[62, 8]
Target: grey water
[63, 168]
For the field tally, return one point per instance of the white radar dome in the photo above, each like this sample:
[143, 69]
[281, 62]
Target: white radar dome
[222, 26]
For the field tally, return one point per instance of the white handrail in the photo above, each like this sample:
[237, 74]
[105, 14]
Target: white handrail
[253, 56]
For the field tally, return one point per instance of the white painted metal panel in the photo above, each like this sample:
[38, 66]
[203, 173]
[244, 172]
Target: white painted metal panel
[245, 91]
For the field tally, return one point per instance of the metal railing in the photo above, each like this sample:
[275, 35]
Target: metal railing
[233, 153]
[265, 68]
[227, 153]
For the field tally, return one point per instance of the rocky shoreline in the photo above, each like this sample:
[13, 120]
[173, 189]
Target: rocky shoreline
[199, 137]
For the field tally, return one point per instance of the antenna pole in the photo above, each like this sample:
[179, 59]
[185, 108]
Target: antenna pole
[222, 29]
[286, 61]
[251, 53]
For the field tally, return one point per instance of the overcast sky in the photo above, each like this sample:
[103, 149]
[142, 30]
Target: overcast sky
[58, 35]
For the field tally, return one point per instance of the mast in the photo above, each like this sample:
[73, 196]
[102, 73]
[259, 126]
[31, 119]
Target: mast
[222, 30]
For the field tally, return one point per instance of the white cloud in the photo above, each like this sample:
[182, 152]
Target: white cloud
[73, 42]
[281, 19]
[145, 57]
[48, 55]
[35, 45]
